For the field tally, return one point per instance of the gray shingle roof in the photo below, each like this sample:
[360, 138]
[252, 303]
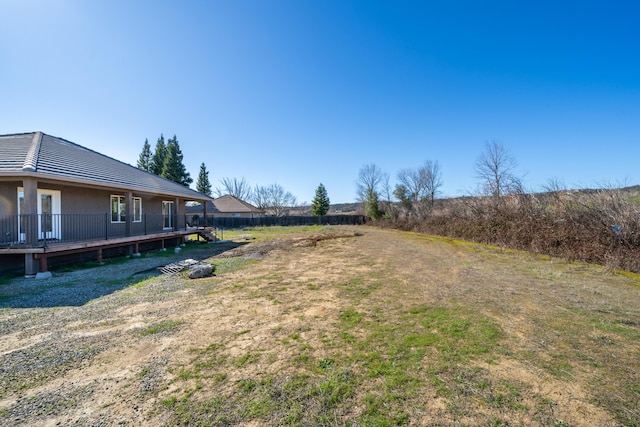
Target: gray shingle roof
[44, 156]
[229, 203]
[226, 204]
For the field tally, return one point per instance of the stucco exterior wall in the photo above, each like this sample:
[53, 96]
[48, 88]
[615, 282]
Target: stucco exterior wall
[9, 197]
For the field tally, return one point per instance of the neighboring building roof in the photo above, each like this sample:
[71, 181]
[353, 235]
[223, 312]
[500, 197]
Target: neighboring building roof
[48, 157]
[225, 205]
[229, 204]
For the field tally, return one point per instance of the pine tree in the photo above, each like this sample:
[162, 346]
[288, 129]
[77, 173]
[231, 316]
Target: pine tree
[144, 161]
[157, 161]
[202, 184]
[173, 169]
[320, 203]
[371, 205]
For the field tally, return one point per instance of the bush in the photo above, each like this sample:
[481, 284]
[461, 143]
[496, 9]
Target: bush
[601, 226]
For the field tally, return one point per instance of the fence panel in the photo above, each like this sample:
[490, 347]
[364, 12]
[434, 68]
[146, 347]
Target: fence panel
[268, 221]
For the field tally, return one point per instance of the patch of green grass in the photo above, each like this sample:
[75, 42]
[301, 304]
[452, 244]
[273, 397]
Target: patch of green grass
[220, 377]
[392, 354]
[228, 265]
[185, 374]
[298, 400]
[170, 402]
[381, 354]
[357, 288]
[326, 364]
[207, 359]
[350, 317]
[626, 327]
[247, 385]
[246, 359]
[267, 233]
[164, 326]
[506, 395]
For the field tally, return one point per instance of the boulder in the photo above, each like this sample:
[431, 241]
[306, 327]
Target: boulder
[198, 271]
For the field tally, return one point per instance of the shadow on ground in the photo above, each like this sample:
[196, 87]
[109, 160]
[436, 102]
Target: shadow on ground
[82, 285]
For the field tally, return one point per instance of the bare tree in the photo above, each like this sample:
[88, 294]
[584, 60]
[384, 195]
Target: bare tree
[273, 198]
[368, 187]
[433, 180]
[417, 188]
[496, 169]
[236, 187]
[370, 179]
[387, 194]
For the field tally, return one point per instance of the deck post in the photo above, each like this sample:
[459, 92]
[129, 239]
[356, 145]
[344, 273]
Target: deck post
[99, 256]
[29, 211]
[30, 266]
[44, 272]
[44, 267]
[128, 213]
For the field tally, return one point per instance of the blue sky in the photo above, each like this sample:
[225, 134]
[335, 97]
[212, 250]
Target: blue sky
[302, 92]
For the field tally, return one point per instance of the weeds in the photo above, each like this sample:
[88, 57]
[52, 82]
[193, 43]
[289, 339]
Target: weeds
[162, 327]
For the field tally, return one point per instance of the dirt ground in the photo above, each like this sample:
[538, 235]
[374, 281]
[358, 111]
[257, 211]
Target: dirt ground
[569, 332]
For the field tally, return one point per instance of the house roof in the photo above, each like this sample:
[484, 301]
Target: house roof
[231, 204]
[225, 205]
[48, 157]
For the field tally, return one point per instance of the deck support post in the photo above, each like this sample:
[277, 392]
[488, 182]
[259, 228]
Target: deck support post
[99, 256]
[43, 272]
[44, 267]
[30, 266]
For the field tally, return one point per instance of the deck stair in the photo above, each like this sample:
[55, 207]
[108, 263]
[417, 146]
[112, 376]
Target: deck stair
[208, 234]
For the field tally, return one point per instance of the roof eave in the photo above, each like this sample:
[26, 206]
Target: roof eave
[197, 197]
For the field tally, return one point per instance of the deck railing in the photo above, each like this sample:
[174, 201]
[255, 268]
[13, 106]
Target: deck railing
[42, 230]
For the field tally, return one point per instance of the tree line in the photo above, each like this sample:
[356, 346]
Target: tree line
[600, 226]
[166, 161]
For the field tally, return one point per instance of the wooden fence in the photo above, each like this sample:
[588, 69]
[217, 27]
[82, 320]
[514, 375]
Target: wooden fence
[227, 222]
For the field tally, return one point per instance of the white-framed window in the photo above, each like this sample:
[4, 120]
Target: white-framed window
[167, 214]
[137, 209]
[118, 209]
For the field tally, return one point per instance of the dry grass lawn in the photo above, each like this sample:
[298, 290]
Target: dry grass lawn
[346, 326]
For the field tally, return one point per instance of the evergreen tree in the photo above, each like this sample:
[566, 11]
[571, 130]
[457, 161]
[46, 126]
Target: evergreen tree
[144, 161]
[157, 161]
[202, 184]
[320, 203]
[173, 169]
[371, 205]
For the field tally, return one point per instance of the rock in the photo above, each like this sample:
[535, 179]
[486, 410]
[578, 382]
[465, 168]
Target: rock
[200, 270]
[45, 275]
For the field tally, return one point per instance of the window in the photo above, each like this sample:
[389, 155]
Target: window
[167, 214]
[118, 209]
[137, 209]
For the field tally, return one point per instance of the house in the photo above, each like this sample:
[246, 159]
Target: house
[59, 198]
[227, 206]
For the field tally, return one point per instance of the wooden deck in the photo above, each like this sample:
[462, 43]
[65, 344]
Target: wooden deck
[58, 249]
